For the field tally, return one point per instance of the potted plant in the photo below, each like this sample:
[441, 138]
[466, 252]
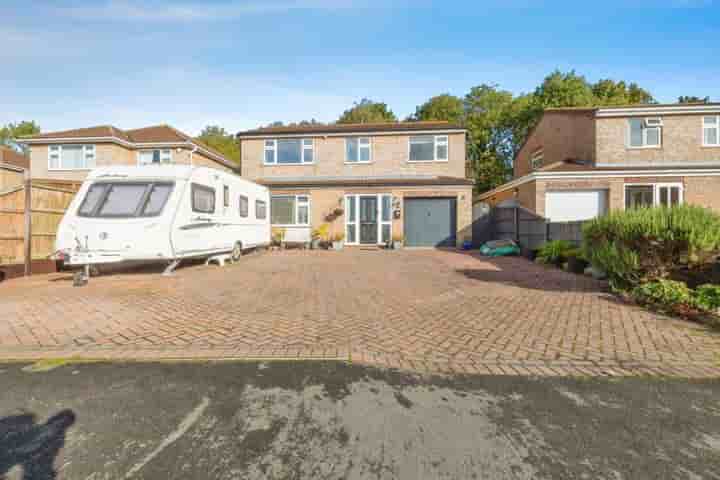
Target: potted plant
[278, 237]
[319, 235]
[397, 241]
[337, 241]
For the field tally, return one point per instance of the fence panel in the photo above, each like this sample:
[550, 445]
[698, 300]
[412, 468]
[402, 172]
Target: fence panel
[570, 231]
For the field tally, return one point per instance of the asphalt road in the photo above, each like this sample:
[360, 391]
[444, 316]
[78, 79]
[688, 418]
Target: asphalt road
[336, 421]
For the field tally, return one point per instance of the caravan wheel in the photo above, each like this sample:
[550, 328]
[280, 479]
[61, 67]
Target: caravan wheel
[236, 252]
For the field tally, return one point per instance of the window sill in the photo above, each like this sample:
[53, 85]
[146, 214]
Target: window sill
[69, 169]
[287, 164]
[710, 146]
[285, 225]
[651, 147]
[358, 163]
[427, 161]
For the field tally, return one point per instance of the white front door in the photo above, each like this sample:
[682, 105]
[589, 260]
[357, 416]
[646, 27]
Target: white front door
[368, 219]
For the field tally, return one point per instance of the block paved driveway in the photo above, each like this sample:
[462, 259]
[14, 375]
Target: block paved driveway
[423, 310]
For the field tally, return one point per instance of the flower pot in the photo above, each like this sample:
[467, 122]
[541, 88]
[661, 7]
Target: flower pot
[397, 244]
[315, 244]
[337, 245]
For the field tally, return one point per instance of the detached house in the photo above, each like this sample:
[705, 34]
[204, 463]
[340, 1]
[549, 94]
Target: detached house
[368, 182]
[69, 155]
[578, 163]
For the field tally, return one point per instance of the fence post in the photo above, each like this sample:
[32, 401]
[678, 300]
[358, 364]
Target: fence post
[517, 225]
[28, 223]
[547, 231]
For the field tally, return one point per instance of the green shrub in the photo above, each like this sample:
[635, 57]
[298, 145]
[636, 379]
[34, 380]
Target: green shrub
[664, 293]
[554, 252]
[707, 297]
[641, 245]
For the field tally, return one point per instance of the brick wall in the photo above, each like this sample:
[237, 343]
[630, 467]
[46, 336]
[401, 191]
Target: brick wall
[562, 136]
[389, 157]
[681, 142]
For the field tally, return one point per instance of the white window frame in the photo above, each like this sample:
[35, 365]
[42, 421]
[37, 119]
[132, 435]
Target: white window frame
[368, 146]
[166, 156]
[300, 201]
[305, 144]
[356, 221]
[656, 191]
[89, 153]
[644, 130]
[536, 159]
[438, 140]
[715, 127]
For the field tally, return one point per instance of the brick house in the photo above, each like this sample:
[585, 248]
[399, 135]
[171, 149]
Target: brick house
[69, 155]
[369, 182]
[578, 163]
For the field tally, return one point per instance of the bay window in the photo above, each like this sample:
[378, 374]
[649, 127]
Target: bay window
[71, 157]
[289, 151]
[711, 131]
[290, 210]
[428, 148]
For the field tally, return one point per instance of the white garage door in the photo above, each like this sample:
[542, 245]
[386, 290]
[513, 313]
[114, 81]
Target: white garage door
[571, 205]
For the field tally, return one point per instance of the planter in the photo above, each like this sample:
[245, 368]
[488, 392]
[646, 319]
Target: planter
[576, 265]
[315, 244]
[338, 245]
[397, 245]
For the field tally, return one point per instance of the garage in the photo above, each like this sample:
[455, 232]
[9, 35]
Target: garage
[430, 222]
[574, 205]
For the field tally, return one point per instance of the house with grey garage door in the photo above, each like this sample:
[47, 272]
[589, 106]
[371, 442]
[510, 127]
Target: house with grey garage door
[578, 163]
[370, 182]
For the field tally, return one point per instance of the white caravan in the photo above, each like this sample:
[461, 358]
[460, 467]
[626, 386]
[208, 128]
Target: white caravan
[162, 213]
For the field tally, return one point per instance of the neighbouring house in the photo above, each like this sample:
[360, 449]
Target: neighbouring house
[578, 163]
[69, 155]
[370, 182]
[9, 156]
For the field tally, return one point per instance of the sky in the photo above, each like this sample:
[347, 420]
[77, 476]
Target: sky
[240, 64]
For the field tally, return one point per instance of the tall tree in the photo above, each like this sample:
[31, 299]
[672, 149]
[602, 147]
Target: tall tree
[489, 111]
[11, 133]
[564, 90]
[608, 92]
[693, 99]
[441, 107]
[367, 111]
[222, 141]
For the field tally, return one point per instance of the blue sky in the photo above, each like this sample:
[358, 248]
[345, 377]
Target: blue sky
[240, 64]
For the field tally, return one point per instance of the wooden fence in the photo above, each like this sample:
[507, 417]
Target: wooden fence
[40, 213]
[531, 231]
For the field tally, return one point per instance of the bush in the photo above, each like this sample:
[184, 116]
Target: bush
[554, 252]
[664, 293]
[707, 297]
[642, 245]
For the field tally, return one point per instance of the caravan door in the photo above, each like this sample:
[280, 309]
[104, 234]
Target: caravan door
[199, 234]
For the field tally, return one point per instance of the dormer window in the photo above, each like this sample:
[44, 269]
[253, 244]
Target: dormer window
[536, 159]
[645, 132]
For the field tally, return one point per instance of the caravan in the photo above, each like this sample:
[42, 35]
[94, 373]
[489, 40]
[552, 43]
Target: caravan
[162, 213]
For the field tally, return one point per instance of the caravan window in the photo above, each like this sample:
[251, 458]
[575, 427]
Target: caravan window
[203, 199]
[260, 210]
[243, 206]
[226, 196]
[125, 199]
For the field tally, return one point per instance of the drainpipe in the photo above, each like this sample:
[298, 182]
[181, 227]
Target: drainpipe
[194, 149]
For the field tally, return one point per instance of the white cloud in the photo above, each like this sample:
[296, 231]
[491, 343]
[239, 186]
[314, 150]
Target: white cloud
[133, 10]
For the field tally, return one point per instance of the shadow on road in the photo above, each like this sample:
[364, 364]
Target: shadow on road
[32, 446]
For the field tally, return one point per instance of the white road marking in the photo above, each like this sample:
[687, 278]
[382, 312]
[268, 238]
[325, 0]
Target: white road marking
[184, 426]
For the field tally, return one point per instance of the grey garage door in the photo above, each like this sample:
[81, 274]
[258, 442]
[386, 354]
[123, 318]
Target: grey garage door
[429, 222]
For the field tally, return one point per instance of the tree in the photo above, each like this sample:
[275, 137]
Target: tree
[367, 111]
[490, 149]
[693, 99]
[441, 107]
[222, 141]
[10, 133]
[608, 92]
[564, 90]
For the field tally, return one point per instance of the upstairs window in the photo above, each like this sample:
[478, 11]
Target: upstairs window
[428, 148]
[357, 150]
[711, 131]
[645, 132]
[71, 157]
[289, 151]
[536, 159]
[150, 157]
